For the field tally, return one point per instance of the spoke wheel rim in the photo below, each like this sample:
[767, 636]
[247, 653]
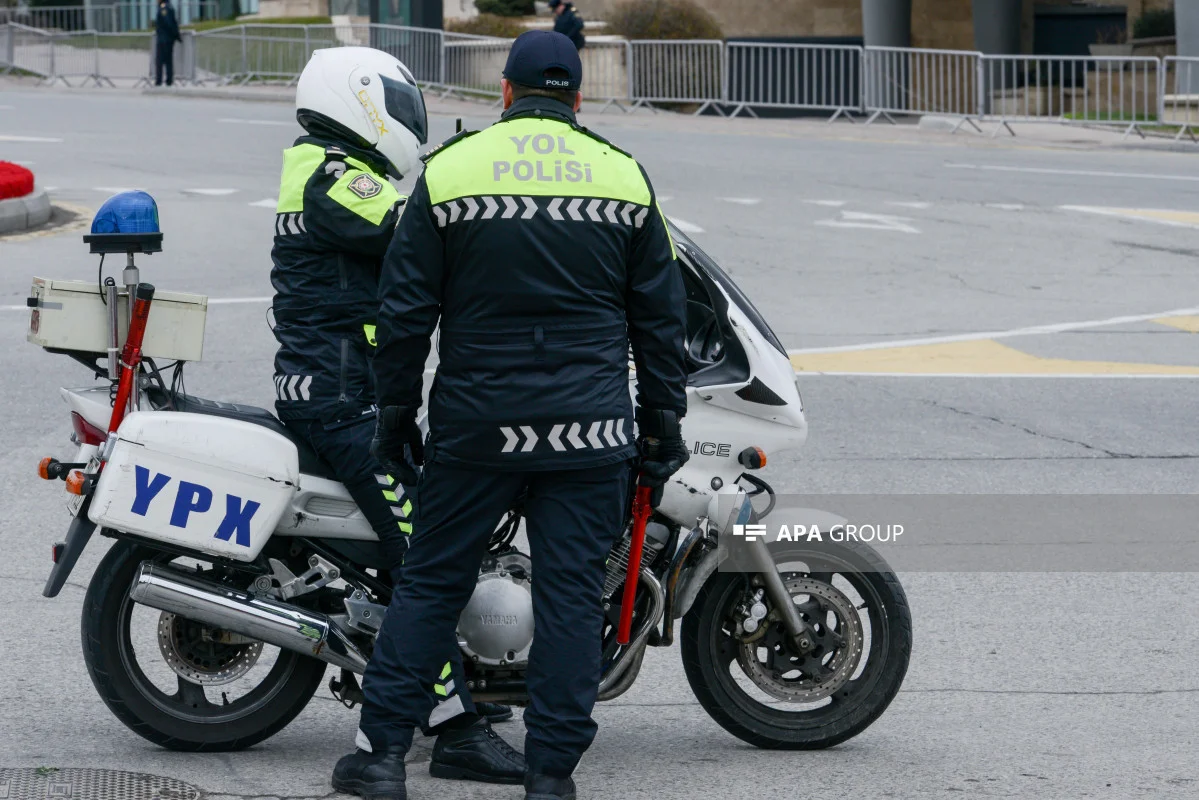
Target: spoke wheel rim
[189, 702]
[726, 649]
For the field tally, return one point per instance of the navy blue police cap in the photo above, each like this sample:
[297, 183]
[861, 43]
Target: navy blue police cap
[534, 53]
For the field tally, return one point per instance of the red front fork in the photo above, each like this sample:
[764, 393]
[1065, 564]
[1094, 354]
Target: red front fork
[641, 512]
[131, 356]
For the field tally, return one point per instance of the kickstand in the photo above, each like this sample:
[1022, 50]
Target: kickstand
[347, 690]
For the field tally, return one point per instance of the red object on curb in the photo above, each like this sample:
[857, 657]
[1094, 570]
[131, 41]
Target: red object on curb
[15, 181]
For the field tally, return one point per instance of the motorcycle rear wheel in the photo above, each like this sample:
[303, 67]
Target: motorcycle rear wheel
[711, 651]
[186, 721]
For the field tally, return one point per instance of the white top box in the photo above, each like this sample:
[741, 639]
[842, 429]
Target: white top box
[71, 315]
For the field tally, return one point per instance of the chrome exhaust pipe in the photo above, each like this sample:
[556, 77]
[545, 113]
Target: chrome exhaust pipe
[290, 627]
[611, 685]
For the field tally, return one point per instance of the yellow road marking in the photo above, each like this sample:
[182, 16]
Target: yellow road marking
[1188, 324]
[1186, 219]
[980, 357]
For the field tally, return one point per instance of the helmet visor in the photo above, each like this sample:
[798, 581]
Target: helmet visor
[406, 105]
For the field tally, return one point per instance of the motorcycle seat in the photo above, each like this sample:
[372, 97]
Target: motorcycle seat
[310, 462]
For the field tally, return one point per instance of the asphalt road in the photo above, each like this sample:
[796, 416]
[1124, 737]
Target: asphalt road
[910, 251]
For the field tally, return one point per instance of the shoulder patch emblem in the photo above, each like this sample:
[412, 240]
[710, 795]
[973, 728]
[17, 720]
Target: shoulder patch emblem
[365, 186]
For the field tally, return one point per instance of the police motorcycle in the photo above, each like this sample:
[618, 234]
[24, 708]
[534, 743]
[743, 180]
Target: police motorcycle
[241, 570]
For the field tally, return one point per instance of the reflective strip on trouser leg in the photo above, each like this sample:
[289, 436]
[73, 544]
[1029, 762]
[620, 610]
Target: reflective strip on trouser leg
[458, 512]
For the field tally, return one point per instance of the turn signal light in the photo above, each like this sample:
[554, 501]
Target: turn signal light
[43, 468]
[75, 482]
[752, 458]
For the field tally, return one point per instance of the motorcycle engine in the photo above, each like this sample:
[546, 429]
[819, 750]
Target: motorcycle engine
[496, 627]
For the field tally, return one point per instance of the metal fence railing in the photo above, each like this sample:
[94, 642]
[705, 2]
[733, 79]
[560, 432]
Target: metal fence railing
[111, 18]
[1179, 103]
[1139, 94]
[686, 71]
[798, 76]
[1099, 90]
[900, 80]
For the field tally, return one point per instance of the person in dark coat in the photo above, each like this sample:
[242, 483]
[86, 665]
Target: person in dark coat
[166, 33]
[568, 23]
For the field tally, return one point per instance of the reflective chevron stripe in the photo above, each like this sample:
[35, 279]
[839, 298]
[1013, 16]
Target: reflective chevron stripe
[559, 209]
[289, 224]
[564, 436]
[293, 387]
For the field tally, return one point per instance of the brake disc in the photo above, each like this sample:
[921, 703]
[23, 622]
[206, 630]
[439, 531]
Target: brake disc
[204, 655]
[784, 674]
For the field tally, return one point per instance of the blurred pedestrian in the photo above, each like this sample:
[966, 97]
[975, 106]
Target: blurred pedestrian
[166, 33]
[568, 23]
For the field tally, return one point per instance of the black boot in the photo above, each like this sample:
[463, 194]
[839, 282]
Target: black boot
[476, 753]
[375, 776]
[546, 787]
[494, 712]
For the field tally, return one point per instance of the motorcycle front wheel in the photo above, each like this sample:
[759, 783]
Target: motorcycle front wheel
[179, 683]
[760, 688]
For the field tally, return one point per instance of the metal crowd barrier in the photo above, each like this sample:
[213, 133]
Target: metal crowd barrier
[1099, 90]
[731, 78]
[1179, 103]
[810, 77]
[685, 71]
[900, 80]
[112, 18]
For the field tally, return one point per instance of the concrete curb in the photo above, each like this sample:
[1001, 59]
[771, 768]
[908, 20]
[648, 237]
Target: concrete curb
[22, 213]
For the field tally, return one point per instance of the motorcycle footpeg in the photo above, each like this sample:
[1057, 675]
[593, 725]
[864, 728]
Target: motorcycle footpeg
[346, 690]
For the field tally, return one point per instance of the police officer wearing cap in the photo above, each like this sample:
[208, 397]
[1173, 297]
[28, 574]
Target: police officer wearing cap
[541, 250]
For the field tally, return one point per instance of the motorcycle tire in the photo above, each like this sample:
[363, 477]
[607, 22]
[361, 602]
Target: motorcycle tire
[852, 709]
[147, 711]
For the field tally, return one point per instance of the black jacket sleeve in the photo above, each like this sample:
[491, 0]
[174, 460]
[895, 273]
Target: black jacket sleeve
[410, 291]
[353, 228]
[656, 306]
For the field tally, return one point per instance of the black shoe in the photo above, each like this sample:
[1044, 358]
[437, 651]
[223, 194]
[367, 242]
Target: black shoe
[546, 787]
[476, 753]
[375, 776]
[494, 712]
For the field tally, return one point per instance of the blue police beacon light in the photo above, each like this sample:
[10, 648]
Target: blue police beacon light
[126, 223]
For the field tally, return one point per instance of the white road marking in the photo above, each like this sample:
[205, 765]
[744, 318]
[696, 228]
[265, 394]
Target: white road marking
[210, 192]
[909, 203]
[35, 139]
[742, 201]
[685, 226]
[1034, 330]
[877, 222]
[1006, 206]
[275, 122]
[1153, 176]
[269, 202]
[830, 203]
[662, 198]
[115, 189]
[235, 301]
[50, 188]
[1123, 213]
[991, 375]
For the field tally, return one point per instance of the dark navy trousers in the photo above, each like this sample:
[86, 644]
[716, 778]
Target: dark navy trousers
[415, 675]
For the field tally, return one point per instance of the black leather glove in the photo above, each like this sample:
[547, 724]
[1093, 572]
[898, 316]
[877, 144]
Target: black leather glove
[399, 444]
[663, 452]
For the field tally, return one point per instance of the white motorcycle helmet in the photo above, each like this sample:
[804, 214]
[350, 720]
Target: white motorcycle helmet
[368, 94]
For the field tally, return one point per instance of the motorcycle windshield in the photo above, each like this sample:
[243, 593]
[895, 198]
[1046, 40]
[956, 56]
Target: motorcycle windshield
[705, 264]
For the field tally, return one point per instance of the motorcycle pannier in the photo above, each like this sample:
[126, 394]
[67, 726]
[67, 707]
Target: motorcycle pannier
[206, 483]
